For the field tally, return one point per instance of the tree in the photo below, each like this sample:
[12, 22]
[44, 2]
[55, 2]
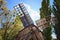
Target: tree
[45, 12]
[1, 33]
[15, 28]
[3, 12]
[10, 31]
[56, 12]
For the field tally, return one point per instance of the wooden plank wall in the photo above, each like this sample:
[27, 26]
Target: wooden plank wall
[29, 33]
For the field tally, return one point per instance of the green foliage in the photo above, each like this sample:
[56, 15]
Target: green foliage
[47, 32]
[11, 31]
[45, 12]
[1, 34]
[15, 28]
[56, 11]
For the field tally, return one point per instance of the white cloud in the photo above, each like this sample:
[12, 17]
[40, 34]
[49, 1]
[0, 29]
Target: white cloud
[34, 14]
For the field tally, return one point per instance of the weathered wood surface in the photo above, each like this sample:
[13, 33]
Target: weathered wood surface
[30, 33]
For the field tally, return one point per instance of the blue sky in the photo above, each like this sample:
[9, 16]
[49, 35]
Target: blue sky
[34, 5]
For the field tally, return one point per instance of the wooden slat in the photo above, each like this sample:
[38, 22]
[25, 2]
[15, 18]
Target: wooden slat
[28, 33]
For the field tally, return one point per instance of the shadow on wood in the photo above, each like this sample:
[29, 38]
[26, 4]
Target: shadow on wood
[30, 33]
